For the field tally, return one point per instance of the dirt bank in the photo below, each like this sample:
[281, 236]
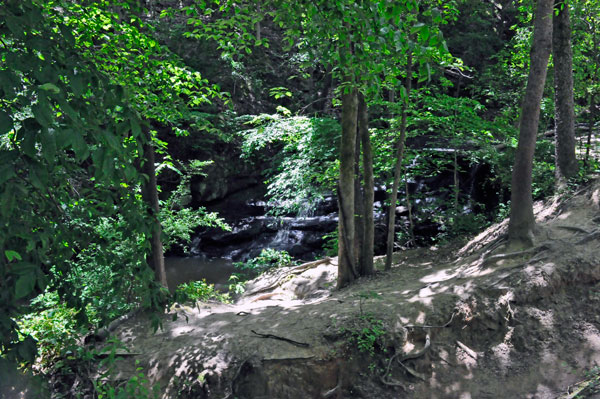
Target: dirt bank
[458, 322]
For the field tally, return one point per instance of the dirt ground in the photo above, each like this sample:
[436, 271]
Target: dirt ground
[470, 321]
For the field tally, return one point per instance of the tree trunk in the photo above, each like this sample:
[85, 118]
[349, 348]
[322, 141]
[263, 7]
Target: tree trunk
[591, 122]
[359, 205]
[155, 259]
[411, 226]
[391, 219]
[346, 261]
[522, 223]
[566, 161]
[366, 262]
[456, 181]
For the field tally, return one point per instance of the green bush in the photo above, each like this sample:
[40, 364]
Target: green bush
[52, 324]
[199, 291]
[268, 259]
[331, 243]
[177, 220]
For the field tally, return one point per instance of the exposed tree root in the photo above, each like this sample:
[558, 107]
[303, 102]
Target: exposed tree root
[291, 341]
[494, 258]
[333, 390]
[419, 353]
[412, 371]
[489, 247]
[290, 271]
[425, 326]
[385, 379]
[102, 333]
[400, 359]
[590, 237]
[573, 228]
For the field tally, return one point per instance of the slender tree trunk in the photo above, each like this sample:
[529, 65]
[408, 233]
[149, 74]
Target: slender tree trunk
[522, 223]
[257, 25]
[366, 264]
[391, 219]
[591, 122]
[566, 161]
[456, 181]
[155, 259]
[411, 226]
[346, 261]
[359, 204]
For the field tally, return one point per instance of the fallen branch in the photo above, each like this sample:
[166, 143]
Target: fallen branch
[291, 341]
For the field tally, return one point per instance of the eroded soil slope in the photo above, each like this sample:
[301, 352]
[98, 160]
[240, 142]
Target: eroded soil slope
[480, 321]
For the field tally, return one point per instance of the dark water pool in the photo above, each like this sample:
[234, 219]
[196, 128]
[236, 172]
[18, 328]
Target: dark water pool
[185, 269]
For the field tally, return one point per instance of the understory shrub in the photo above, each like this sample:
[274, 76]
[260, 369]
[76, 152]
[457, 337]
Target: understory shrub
[268, 259]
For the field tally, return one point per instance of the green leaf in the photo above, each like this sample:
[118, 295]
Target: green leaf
[48, 141]
[7, 172]
[25, 284]
[52, 88]
[79, 145]
[8, 199]
[63, 138]
[77, 85]
[14, 25]
[38, 175]
[12, 255]
[42, 113]
[28, 141]
[98, 157]
[6, 123]
[112, 141]
[136, 130]
[42, 279]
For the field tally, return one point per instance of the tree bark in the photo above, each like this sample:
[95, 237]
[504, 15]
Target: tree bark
[346, 260]
[566, 161]
[591, 122]
[367, 252]
[155, 258]
[391, 219]
[359, 202]
[522, 223]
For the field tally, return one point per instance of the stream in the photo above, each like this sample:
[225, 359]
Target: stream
[185, 269]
